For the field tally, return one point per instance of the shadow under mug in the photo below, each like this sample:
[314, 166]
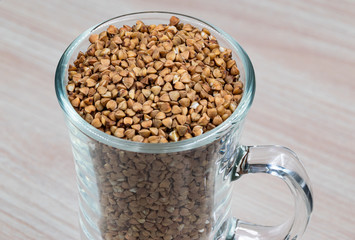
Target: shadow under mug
[180, 190]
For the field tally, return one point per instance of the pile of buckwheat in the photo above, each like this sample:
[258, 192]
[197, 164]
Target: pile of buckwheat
[154, 83]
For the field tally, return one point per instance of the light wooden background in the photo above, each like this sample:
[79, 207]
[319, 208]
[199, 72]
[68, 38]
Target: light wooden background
[304, 58]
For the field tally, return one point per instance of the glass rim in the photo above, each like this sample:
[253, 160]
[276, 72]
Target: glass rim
[128, 145]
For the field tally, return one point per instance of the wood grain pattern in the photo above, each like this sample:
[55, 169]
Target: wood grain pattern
[304, 58]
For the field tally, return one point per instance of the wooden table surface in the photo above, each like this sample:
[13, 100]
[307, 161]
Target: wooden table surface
[303, 53]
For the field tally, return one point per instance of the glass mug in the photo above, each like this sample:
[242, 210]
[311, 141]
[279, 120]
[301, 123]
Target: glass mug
[179, 190]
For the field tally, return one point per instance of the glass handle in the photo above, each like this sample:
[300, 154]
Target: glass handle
[283, 163]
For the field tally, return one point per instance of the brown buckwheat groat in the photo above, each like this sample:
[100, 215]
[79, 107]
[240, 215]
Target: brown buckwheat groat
[154, 83]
